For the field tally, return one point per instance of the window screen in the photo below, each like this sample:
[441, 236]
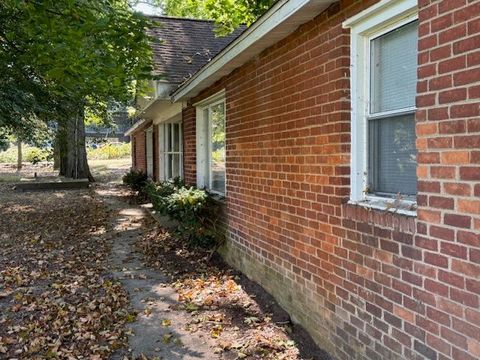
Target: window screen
[391, 138]
[394, 69]
[393, 155]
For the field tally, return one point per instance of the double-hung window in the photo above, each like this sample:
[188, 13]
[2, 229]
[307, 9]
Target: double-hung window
[384, 78]
[171, 155]
[211, 145]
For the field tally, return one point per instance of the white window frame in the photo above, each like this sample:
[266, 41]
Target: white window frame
[204, 143]
[163, 154]
[149, 152]
[373, 22]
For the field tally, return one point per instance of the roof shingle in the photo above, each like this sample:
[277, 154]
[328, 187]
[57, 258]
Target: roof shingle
[185, 46]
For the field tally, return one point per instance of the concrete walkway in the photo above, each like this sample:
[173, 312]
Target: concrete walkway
[158, 332]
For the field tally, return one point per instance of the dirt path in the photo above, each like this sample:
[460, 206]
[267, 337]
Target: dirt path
[157, 332]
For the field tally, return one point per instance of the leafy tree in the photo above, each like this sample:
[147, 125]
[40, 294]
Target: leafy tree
[62, 59]
[228, 14]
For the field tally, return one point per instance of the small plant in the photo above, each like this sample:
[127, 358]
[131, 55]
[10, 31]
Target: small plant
[136, 180]
[194, 209]
[159, 193]
[188, 206]
[36, 155]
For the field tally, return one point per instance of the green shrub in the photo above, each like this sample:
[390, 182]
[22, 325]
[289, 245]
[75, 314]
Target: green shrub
[9, 156]
[194, 209]
[159, 193]
[36, 155]
[109, 151]
[136, 180]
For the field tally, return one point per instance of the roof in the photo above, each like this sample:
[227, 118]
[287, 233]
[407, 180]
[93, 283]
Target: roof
[185, 46]
[283, 18]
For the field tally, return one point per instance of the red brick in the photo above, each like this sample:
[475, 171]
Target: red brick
[457, 220]
[470, 173]
[457, 189]
[468, 44]
[465, 110]
[466, 77]
[463, 297]
[436, 288]
[452, 279]
[435, 259]
[453, 250]
[466, 268]
[441, 202]
[469, 206]
[453, 337]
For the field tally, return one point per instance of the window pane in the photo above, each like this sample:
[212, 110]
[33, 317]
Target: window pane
[392, 155]
[176, 137]
[168, 136]
[217, 155]
[176, 166]
[168, 171]
[394, 69]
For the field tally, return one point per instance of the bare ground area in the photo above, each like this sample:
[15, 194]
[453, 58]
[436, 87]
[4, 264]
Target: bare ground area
[87, 274]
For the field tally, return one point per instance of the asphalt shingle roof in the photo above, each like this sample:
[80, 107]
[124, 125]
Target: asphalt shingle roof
[186, 45]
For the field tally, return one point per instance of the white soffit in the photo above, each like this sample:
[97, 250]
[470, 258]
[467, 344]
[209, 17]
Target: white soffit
[277, 23]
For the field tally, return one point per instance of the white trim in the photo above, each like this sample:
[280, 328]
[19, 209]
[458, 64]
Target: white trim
[203, 145]
[278, 22]
[163, 153]
[372, 22]
[382, 12]
[211, 99]
[149, 150]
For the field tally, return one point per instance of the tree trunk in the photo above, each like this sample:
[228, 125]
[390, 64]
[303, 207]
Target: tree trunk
[73, 158]
[19, 154]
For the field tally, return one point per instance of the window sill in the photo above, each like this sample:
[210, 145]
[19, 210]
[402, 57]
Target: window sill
[402, 207]
[217, 196]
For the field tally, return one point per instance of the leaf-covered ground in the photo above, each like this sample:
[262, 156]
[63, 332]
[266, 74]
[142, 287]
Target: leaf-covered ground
[242, 319]
[86, 274]
[56, 297]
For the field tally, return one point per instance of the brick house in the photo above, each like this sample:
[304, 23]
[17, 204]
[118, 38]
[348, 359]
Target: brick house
[344, 139]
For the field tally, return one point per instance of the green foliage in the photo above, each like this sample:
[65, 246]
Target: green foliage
[59, 56]
[36, 155]
[9, 156]
[228, 14]
[194, 209]
[136, 180]
[110, 151]
[160, 193]
[29, 153]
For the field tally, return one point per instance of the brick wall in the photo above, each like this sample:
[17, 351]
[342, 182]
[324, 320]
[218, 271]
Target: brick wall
[448, 130]
[366, 284]
[140, 162]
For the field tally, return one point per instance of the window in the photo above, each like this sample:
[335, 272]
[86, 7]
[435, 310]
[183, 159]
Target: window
[171, 155]
[211, 145]
[383, 80]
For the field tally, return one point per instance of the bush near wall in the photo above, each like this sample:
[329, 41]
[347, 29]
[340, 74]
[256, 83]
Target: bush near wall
[195, 210]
